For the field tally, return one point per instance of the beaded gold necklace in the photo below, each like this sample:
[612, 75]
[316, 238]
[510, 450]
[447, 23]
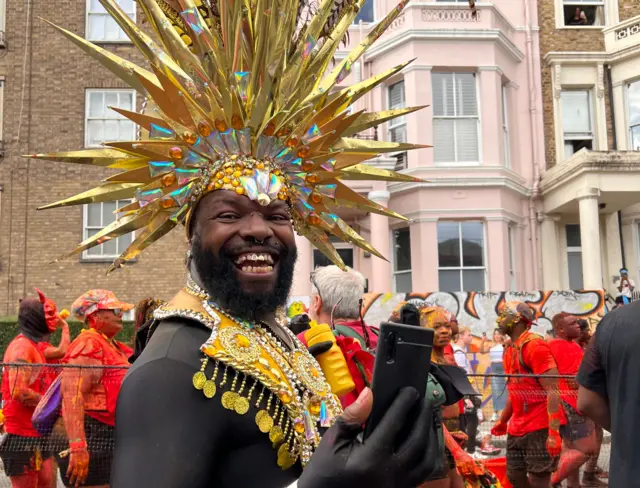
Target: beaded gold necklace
[294, 400]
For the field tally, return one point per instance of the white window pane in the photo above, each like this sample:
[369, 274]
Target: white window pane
[110, 100]
[108, 215]
[473, 280]
[124, 242]
[402, 249]
[111, 130]
[574, 262]
[467, 139]
[96, 7]
[112, 30]
[127, 5]
[126, 100]
[96, 104]
[396, 95]
[96, 27]
[576, 117]
[398, 134]
[403, 283]
[110, 248]
[449, 280]
[94, 133]
[442, 94]
[633, 96]
[466, 103]
[94, 215]
[443, 141]
[448, 244]
[635, 138]
[125, 132]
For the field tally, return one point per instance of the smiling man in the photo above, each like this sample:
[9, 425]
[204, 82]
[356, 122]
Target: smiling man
[250, 138]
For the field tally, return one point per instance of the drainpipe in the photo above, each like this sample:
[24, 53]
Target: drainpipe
[614, 146]
[535, 192]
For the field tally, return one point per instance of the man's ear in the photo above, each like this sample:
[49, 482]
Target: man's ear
[317, 305]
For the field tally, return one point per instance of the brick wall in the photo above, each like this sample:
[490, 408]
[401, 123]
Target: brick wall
[628, 9]
[48, 88]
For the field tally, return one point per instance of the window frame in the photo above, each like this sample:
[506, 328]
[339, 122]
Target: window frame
[337, 246]
[630, 127]
[398, 122]
[505, 127]
[116, 116]
[89, 13]
[477, 118]
[395, 272]
[560, 5]
[572, 249]
[462, 268]
[101, 258]
[3, 15]
[592, 124]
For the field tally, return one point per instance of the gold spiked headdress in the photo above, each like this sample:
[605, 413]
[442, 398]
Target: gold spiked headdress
[245, 101]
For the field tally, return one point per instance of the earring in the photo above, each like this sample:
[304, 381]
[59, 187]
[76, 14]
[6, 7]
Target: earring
[189, 253]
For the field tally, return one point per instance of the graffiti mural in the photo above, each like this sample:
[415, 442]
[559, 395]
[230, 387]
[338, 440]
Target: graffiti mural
[478, 310]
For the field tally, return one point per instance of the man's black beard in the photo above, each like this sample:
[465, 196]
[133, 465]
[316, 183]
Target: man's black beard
[219, 279]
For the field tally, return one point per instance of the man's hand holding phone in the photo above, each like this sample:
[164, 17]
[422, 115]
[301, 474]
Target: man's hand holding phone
[393, 455]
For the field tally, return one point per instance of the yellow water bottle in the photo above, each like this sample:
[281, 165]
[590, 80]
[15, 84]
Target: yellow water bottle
[333, 363]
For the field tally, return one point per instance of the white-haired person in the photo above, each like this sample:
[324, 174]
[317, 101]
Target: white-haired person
[336, 299]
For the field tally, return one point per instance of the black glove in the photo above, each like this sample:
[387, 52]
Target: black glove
[384, 460]
[410, 315]
[299, 323]
[320, 348]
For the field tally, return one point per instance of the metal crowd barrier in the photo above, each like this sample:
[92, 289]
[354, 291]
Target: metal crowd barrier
[16, 451]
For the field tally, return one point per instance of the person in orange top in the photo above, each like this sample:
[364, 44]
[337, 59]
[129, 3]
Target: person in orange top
[25, 453]
[89, 395]
[443, 322]
[532, 416]
[578, 434]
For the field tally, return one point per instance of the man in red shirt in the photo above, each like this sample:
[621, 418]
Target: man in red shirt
[579, 432]
[532, 416]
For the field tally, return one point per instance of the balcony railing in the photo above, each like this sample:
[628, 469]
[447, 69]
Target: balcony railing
[623, 35]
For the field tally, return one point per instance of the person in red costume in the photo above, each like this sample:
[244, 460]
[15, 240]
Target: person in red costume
[579, 433]
[25, 453]
[89, 395]
[532, 416]
[51, 353]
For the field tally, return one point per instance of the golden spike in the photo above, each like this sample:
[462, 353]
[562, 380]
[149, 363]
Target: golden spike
[359, 145]
[123, 69]
[368, 120]
[368, 172]
[104, 193]
[139, 175]
[140, 119]
[151, 150]
[345, 232]
[105, 157]
[347, 197]
[346, 159]
[319, 239]
[169, 102]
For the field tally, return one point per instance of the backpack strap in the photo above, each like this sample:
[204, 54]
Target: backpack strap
[349, 332]
[520, 347]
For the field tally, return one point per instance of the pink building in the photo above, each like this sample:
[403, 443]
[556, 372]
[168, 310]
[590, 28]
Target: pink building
[473, 224]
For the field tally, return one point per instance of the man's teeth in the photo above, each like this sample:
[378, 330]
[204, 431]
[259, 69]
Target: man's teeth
[255, 258]
[257, 269]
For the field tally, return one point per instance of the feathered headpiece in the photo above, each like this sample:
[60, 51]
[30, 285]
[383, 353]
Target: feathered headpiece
[245, 101]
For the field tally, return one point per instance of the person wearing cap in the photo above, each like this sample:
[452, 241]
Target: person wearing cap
[532, 416]
[89, 395]
[25, 454]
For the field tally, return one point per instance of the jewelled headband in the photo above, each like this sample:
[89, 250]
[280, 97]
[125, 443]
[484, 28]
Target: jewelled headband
[436, 315]
[244, 101]
[510, 313]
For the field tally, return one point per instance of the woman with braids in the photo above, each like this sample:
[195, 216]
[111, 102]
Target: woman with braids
[143, 324]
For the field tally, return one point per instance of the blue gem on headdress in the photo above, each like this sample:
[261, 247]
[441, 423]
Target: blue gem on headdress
[157, 168]
[293, 166]
[216, 143]
[244, 140]
[144, 198]
[327, 190]
[182, 194]
[285, 155]
[185, 175]
[250, 186]
[261, 186]
[192, 19]
[180, 215]
[230, 141]
[203, 148]
[193, 159]
[344, 72]
[276, 149]
[275, 185]
[304, 208]
[264, 147]
[304, 192]
[242, 83]
[329, 165]
[297, 179]
[311, 134]
[158, 133]
[329, 218]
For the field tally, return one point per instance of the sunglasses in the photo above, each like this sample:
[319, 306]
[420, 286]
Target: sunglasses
[117, 312]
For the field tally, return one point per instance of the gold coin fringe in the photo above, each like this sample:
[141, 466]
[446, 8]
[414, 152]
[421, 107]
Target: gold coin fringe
[271, 419]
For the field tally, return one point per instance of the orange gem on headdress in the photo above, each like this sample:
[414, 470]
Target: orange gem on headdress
[204, 128]
[190, 137]
[303, 152]
[167, 202]
[312, 179]
[221, 125]
[316, 197]
[236, 122]
[240, 190]
[307, 166]
[292, 141]
[313, 219]
[168, 179]
[175, 152]
[270, 129]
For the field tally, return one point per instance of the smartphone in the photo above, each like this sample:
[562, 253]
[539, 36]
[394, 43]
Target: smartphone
[403, 357]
